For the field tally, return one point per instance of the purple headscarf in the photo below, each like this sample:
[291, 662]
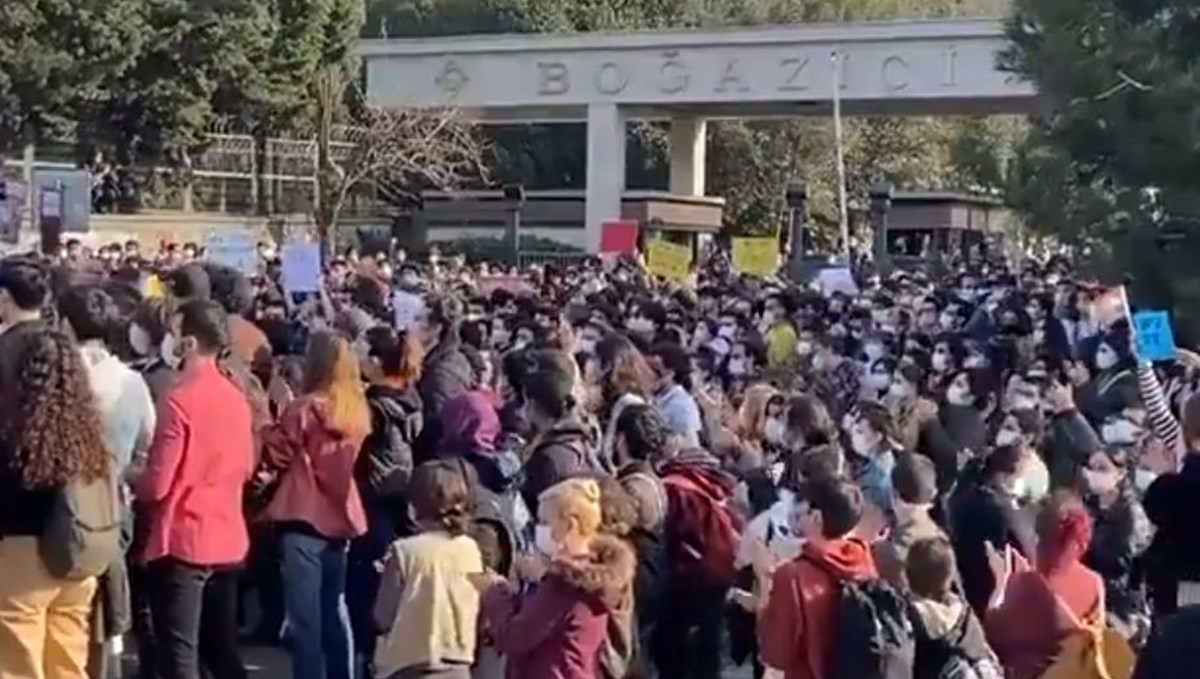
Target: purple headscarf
[470, 424]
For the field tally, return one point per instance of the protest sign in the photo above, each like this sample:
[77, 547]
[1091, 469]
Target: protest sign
[301, 267]
[408, 308]
[619, 237]
[756, 256]
[836, 279]
[668, 260]
[235, 247]
[1155, 339]
[152, 286]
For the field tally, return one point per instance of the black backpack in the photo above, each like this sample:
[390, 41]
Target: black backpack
[874, 638]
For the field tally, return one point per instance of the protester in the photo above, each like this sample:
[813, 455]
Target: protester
[191, 492]
[317, 507]
[584, 584]
[678, 443]
[52, 436]
[427, 606]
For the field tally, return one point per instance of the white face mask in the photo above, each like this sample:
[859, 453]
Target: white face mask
[873, 351]
[879, 381]
[1100, 482]
[775, 430]
[947, 321]
[167, 351]
[804, 348]
[768, 319]
[975, 361]
[543, 540]
[940, 361]
[899, 389]
[1142, 478]
[640, 325]
[737, 367]
[587, 345]
[1018, 489]
[727, 331]
[861, 443]
[1106, 357]
[1007, 437]
[1119, 432]
[139, 340]
[958, 396]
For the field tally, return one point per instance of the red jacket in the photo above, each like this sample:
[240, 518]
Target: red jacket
[795, 630]
[201, 457]
[1027, 630]
[316, 463]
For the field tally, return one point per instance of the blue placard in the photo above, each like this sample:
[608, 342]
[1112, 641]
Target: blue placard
[1155, 340]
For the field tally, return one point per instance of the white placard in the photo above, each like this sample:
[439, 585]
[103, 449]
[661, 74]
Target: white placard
[836, 279]
[234, 247]
[301, 267]
[408, 308]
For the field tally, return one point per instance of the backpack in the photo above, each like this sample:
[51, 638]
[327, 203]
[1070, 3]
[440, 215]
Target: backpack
[1090, 651]
[82, 536]
[875, 637]
[702, 532]
[945, 658]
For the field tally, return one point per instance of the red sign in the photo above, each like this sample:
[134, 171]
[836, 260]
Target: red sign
[619, 237]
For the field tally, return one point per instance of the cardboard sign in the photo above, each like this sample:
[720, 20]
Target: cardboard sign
[668, 260]
[756, 256]
[301, 267]
[1155, 339]
[152, 286]
[234, 247]
[619, 237]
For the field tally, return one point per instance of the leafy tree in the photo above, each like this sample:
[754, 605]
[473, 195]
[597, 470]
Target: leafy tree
[1119, 149]
[57, 55]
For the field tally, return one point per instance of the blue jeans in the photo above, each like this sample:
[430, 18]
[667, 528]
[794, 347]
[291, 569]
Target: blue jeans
[314, 586]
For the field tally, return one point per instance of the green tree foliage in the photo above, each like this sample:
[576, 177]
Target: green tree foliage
[55, 57]
[1112, 165]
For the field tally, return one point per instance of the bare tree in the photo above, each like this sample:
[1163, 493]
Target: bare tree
[399, 152]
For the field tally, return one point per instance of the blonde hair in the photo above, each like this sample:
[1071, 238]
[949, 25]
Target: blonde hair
[578, 500]
[752, 416]
[331, 370]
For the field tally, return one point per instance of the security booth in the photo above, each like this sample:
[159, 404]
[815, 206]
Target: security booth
[926, 226]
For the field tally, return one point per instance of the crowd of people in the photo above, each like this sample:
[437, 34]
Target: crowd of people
[588, 473]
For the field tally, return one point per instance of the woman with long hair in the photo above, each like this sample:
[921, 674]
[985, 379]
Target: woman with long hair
[627, 379]
[317, 507]
[50, 436]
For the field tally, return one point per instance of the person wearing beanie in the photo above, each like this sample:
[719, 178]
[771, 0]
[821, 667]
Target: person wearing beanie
[562, 446]
[1034, 608]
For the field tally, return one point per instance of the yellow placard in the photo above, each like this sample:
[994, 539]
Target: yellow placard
[668, 260]
[756, 256]
[154, 287]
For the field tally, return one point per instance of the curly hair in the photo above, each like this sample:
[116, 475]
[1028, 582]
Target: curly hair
[55, 431]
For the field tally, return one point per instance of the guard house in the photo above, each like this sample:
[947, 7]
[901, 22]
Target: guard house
[925, 225]
[560, 216]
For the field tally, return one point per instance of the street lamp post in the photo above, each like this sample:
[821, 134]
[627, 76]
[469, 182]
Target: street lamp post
[797, 202]
[514, 195]
[881, 205]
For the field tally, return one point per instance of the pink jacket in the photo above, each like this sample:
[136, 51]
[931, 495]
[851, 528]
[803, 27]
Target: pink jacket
[200, 459]
[316, 463]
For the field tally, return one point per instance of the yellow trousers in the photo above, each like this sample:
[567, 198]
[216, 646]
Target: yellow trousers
[44, 622]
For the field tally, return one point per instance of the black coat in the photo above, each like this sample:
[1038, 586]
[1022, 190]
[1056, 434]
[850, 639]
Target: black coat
[1119, 533]
[1172, 504]
[981, 514]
